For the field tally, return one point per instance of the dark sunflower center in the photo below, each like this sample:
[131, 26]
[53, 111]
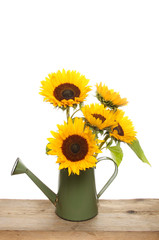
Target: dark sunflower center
[99, 116]
[68, 94]
[119, 130]
[66, 91]
[75, 148]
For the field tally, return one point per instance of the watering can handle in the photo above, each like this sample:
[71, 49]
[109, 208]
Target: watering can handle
[111, 178]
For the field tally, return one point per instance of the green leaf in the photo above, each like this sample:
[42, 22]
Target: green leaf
[135, 146]
[74, 106]
[47, 149]
[117, 154]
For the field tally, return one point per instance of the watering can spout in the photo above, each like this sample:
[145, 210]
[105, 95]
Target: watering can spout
[20, 168]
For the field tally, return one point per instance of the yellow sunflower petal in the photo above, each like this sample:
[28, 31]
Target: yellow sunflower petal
[98, 116]
[77, 151]
[124, 131]
[109, 97]
[64, 89]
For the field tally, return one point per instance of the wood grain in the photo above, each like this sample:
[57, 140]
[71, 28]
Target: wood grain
[117, 219]
[73, 235]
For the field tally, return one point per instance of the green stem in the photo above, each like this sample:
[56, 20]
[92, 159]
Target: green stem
[102, 148]
[109, 143]
[75, 112]
[67, 112]
[102, 143]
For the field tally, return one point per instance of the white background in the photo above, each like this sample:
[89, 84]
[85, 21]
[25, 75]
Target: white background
[115, 42]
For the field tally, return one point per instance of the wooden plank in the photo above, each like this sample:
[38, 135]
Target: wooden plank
[38, 235]
[114, 215]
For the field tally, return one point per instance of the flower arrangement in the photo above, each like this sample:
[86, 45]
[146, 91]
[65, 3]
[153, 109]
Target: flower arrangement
[102, 126]
[79, 140]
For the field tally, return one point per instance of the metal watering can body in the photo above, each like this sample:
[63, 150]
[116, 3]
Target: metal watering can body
[76, 199]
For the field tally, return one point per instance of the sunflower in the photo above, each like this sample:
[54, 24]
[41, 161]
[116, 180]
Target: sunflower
[75, 146]
[124, 131]
[109, 98]
[98, 116]
[64, 89]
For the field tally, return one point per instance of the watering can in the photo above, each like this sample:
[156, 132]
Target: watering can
[76, 199]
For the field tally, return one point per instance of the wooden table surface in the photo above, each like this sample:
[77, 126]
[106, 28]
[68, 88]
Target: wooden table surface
[117, 219]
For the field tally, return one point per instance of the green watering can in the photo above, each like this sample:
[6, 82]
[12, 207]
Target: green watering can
[76, 199]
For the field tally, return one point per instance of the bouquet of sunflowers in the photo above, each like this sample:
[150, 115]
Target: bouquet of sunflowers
[103, 126]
